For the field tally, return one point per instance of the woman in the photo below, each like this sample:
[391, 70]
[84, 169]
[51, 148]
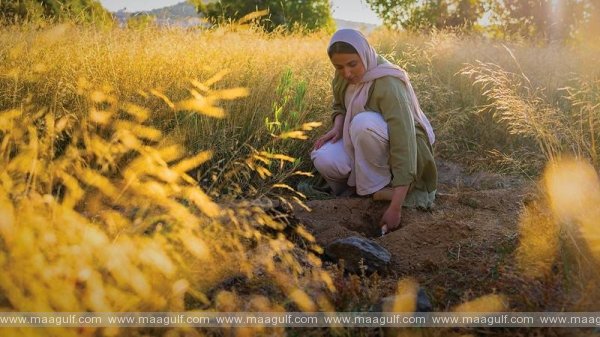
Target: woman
[380, 136]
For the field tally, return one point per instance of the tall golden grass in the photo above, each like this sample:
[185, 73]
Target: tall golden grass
[129, 156]
[98, 211]
[285, 73]
[506, 106]
[289, 77]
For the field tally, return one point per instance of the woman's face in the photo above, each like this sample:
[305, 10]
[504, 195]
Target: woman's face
[350, 66]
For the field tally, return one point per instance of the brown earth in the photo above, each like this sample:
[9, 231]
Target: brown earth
[461, 249]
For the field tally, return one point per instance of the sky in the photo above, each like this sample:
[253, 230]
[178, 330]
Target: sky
[351, 10]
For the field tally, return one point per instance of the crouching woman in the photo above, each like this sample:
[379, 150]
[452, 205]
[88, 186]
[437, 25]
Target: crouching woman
[381, 141]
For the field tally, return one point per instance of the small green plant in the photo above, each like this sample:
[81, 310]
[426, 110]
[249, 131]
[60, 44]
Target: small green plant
[288, 108]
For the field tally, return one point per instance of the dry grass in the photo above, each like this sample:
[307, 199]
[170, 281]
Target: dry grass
[289, 78]
[105, 133]
[503, 106]
[98, 212]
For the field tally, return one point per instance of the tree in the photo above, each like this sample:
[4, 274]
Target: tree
[540, 19]
[533, 19]
[593, 19]
[527, 18]
[427, 14]
[57, 10]
[289, 14]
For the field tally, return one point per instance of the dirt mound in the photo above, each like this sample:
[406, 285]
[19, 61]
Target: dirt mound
[455, 248]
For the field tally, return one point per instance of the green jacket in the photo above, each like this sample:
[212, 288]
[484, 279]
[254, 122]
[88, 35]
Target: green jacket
[388, 96]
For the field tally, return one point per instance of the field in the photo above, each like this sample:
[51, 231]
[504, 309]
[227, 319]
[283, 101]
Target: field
[137, 166]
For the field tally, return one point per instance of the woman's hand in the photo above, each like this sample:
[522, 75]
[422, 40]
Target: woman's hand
[392, 216]
[390, 219]
[332, 135]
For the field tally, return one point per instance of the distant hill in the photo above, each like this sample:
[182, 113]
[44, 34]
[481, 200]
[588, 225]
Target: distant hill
[362, 26]
[180, 10]
[184, 14]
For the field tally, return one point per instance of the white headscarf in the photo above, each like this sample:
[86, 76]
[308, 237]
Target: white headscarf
[374, 71]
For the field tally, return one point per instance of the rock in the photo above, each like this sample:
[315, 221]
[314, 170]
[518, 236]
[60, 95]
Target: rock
[423, 302]
[387, 303]
[353, 249]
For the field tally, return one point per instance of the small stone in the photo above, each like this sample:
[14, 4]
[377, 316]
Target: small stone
[387, 303]
[423, 302]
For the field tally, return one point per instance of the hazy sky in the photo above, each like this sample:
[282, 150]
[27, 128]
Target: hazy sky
[352, 10]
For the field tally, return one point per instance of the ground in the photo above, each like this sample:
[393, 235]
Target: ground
[461, 249]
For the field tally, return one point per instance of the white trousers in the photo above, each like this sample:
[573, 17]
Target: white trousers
[370, 170]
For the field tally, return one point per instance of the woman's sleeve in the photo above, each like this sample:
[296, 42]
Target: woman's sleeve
[392, 100]
[338, 105]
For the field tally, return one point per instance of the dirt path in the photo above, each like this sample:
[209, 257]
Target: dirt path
[460, 250]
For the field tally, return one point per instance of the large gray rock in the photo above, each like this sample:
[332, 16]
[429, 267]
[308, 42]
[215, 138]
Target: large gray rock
[354, 249]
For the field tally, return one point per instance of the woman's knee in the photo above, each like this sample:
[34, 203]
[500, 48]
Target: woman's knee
[330, 165]
[368, 124]
[320, 161]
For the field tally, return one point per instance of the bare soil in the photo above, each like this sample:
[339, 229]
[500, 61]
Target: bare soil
[460, 250]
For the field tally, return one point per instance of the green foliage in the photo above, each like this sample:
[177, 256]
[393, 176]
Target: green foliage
[420, 15]
[533, 19]
[592, 27]
[80, 11]
[539, 19]
[288, 14]
[527, 18]
[289, 105]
